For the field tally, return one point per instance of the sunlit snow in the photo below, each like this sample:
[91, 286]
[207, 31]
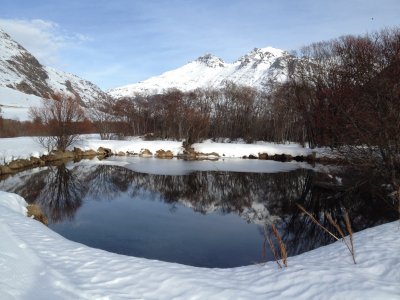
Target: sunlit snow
[210, 71]
[25, 147]
[37, 263]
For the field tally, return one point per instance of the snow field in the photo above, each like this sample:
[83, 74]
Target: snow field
[37, 263]
[15, 104]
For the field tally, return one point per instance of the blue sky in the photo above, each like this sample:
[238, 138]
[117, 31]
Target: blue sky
[114, 43]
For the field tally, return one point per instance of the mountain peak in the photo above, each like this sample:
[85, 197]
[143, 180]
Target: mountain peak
[210, 60]
[209, 71]
[268, 50]
[260, 55]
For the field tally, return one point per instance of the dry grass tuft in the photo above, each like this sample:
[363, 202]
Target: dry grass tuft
[348, 242]
[37, 214]
[316, 222]
[281, 258]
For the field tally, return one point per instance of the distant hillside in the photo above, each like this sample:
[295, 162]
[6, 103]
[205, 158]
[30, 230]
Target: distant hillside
[24, 81]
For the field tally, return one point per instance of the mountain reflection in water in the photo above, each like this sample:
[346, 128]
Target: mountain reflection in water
[259, 199]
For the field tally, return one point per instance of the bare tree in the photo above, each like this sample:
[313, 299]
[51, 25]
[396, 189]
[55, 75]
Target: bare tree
[346, 92]
[60, 115]
[103, 115]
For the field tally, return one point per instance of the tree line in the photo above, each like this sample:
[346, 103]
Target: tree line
[338, 92]
[347, 93]
[343, 93]
[14, 128]
[231, 112]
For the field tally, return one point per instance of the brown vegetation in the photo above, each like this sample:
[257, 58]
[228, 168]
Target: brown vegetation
[343, 93]
[347, 241]
[60, 116]
[280, 254]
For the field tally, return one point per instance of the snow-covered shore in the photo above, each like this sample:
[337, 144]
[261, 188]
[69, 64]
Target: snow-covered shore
[25, 147]
[37, 263]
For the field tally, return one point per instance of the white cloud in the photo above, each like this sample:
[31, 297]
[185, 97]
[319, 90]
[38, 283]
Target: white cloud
[44, 39]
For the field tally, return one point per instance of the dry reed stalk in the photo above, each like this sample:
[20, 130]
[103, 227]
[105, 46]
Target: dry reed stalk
[350, 231]
[264, 248]
[349, 243]
[316, 222]
[281, 245]
[335, 224]
[273, 250]
[282, 256]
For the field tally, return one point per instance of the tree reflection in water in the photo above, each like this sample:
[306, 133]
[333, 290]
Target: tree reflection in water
[61, 194]
[257, 198]
[361, 195]
[107, 182]
[57, 190]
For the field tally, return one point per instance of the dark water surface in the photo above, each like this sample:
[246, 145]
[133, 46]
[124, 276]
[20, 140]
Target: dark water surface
[216, 217]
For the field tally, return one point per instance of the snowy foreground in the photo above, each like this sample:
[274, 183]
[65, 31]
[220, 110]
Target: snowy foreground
[25, 147]
[37, 263]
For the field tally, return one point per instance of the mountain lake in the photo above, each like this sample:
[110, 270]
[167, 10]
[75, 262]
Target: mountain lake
[215, 214]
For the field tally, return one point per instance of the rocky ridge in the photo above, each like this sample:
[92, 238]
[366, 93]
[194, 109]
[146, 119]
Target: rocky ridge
[21, 71]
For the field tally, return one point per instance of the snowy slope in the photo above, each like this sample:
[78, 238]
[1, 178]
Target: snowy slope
[21, 71]
[252, 69]
[15, 104]
[67, 82]
[37, 263]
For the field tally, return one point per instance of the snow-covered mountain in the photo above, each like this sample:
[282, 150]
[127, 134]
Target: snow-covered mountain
[24, 81]
[253, 69]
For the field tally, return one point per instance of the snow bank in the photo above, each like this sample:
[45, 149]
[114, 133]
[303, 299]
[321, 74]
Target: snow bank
[37, 263]
[134, 146]
[19, 147]
[240, 150]
[25, 147]
[13, 202]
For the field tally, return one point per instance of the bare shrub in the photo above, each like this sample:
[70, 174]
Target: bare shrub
[60, 115]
